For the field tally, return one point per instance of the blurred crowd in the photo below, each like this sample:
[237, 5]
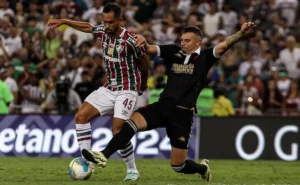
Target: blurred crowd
[52, 71]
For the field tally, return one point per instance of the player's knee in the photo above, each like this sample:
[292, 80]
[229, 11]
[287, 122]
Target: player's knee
[116, 130]
[130, 124]
[117, 125]
[178, 168]
[80, 118]
[139, 121]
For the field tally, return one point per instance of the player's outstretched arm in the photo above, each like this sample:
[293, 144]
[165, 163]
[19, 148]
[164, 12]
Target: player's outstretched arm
[142, 42]
[81, 26]
[222, 47]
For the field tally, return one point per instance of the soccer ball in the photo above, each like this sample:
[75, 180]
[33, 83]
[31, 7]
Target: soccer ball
[79, 169]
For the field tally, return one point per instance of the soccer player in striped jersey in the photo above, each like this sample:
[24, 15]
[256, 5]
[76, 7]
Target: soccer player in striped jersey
[126, 76]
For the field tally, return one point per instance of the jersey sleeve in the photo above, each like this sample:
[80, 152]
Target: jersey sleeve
[211, 58]
[138, 52]
[167, 51]
[98, 31]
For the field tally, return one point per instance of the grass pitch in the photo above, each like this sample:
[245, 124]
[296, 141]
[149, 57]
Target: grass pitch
[53, 171]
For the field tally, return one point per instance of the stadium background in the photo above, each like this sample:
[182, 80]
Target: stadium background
[259, 76]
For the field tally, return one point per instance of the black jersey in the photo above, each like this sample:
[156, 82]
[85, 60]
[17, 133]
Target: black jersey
[185, 81]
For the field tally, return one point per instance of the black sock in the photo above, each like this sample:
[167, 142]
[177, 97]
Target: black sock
[126, 150]
[121, 139]
[190, 167]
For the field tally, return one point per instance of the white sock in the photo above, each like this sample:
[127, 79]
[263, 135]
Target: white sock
[127, 155]
[83, 132]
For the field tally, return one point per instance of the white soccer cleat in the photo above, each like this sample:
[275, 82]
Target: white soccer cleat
[207, 175]
[132, 176]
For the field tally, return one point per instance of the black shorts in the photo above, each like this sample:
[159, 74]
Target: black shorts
[178, 122]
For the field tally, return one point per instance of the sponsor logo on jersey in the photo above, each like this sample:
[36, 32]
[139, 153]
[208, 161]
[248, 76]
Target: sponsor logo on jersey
[99, 28]
[131, 40]
[111, 59]
[183, 69]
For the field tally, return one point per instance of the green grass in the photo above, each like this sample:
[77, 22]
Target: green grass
[46, 171]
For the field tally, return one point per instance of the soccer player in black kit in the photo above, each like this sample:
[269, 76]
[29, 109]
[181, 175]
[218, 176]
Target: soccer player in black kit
[187, 66]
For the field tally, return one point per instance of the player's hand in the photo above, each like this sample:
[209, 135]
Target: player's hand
[247, 27]
[140, 41]
[53, 23]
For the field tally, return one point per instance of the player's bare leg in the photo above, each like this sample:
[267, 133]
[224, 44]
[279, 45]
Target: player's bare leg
[181, 165]
[83, 127]
[126, 152]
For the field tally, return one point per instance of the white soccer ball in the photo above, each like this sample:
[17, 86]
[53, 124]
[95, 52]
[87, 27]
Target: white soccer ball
[79, 169]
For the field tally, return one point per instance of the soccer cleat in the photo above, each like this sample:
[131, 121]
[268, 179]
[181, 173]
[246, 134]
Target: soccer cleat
[95, 157]
[132, 176]
[207, 175]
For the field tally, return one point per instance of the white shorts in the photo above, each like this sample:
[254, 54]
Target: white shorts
[122, 103]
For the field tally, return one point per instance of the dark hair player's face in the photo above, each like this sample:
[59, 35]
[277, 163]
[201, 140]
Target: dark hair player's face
[111, 23]
[189, 42]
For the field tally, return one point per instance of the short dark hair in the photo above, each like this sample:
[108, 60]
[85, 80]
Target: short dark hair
[194, 30]
[113, 7]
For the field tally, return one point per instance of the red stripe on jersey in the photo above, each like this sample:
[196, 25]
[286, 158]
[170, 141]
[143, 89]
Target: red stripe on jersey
[136, 72]
[104, 41]
[125, 75]
[106, 81]
[124, 63]
[99, 35]
[130, 33]
[113, 73]
[112, 66]
[138, 78]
